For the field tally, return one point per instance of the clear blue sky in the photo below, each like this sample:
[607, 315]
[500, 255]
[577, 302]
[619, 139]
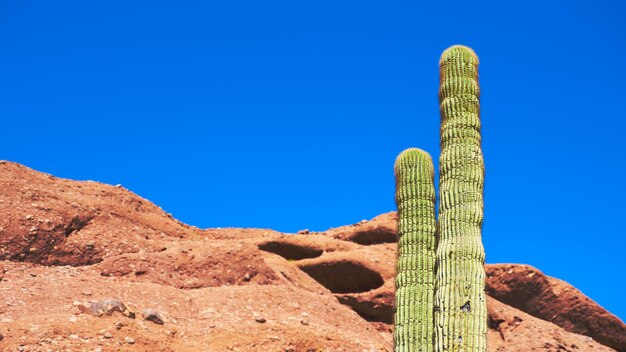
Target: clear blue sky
[289, 115]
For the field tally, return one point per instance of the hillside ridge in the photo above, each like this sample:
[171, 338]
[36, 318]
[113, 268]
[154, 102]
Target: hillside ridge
[70, 248]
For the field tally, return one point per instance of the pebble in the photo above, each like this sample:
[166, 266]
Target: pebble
[208, 311]
[107, 335]
[259, 319]
[153, 316]
[130, 340]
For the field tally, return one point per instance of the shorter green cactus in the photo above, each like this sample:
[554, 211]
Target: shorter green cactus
[417, 226]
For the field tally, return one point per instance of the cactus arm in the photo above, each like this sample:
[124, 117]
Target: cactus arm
[460, 309]
[415, 277]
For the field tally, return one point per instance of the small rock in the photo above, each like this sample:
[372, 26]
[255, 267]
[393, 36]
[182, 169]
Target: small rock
[303, 232]
[208, 311]
[107, 335]
[97, 349]
[129, 340]
[119, 325]
[29, 217]
[74, 337]
[259, 319]
[1, 337]
[152, 315]
[106, 306]
[304, 322]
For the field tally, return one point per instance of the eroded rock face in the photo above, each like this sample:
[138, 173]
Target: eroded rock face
[53, 221]
[512, 330]
[520, 286]
[215, 289]
[553, 300]
[291, 251]
[381, 229]
[193, 264]
[66, 244]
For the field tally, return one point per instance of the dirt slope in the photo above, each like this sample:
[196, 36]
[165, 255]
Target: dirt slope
[91, 267]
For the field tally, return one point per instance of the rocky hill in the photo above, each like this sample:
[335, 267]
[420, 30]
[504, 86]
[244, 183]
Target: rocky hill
[90, 267]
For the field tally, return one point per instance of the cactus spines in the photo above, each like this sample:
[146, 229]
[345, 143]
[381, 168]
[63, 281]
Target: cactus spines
[460, 308]
[417, 226]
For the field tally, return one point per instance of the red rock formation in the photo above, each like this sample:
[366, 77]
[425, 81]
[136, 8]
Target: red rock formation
[550, 299]
[67, 246]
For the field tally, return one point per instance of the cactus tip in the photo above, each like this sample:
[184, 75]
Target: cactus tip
[413, 156]
[457, 52]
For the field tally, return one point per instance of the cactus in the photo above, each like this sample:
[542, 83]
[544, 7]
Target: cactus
[460, 308]
[440, 297]
[417, 226]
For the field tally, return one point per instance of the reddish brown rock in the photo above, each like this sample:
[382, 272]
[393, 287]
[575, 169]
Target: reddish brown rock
[381, 229]
[550, 299]
[511, 330]
[67, 244]
[193, 264]
[40, 313]
[54, 221]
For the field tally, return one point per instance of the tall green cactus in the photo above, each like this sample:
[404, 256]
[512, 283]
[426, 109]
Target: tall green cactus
[415, 279]
[460, 306]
